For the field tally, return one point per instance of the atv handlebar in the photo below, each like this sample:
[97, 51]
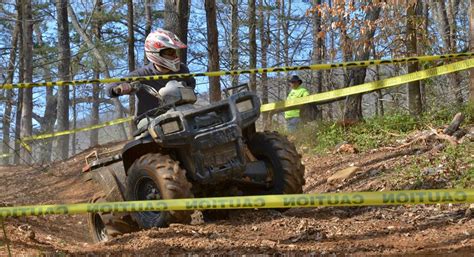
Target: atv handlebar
[136, 85]
[133, 87]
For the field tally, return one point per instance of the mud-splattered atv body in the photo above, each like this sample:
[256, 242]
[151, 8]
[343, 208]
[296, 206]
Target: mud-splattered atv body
[190, 151]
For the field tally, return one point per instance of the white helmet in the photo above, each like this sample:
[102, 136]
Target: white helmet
[158, 41]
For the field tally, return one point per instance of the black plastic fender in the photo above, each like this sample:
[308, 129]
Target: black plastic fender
[137, 148]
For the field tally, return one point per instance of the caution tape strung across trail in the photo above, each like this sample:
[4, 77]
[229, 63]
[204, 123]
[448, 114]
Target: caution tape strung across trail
[67, 132]
[241, 72]
[251, 202]
[370, 86]
[5, 155]
[315, 98]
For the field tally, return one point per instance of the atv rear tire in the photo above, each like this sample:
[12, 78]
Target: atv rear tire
[153, 177]
[286, 173]
[106, 225]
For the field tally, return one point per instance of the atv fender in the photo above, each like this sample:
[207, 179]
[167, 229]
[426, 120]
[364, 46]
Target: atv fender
[137, 148]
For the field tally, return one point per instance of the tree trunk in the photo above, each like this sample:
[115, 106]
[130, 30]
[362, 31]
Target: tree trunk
[7, 116]
[414, 12]
[448, 34]
[234, 40]
[50, 112]
[148, 22]
[182, 33]
[379, 111]
[74, 121]
[286, 36]
[278, 50]
[102, 64]
[131, 62]
[471, 47]
[252, 44]
[64, 74]
[176, 17]
[27, 110]
[318, 49]
[263, 48]
[95, 116]
[21, 76]
[213, 50]
[353, 108]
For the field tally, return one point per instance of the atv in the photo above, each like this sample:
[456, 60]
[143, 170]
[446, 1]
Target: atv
[186, 150]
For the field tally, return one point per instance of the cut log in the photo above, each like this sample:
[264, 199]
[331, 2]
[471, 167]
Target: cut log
[454, 125]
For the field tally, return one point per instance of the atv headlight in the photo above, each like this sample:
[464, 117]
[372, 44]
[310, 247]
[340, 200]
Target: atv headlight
[170, 127]
[245, 106]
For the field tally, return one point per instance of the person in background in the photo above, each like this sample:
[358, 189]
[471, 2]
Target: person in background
[161, 48]
[292, 117]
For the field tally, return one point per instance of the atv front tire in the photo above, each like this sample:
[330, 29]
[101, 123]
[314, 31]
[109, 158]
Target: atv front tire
[104, 226]
[153, 177]
[284, 167]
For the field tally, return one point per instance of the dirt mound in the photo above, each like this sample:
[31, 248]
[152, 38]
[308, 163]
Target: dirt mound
[399, 230]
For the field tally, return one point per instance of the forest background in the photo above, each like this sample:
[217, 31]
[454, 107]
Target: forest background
[71, 40]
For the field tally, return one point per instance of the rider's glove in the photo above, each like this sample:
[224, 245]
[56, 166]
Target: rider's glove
[123, 89]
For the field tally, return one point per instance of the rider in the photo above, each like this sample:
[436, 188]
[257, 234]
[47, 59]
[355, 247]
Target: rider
[161, 50]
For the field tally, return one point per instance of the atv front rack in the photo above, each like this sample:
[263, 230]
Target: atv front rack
[97, 159]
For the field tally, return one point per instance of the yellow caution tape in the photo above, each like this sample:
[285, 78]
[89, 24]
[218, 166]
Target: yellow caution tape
[25, 145]
[370, 86]
[5, 155]
[238, 72]
[67, 132]
[316, 98]
[247, 202]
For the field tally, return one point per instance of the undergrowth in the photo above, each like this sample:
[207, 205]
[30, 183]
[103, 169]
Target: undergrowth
[374, 132]
[453, 167]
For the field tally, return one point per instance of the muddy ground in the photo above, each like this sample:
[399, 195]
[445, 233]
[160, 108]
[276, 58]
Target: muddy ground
[400, 230]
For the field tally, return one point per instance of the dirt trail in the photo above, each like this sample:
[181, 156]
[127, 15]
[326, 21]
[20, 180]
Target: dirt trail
[399, 230]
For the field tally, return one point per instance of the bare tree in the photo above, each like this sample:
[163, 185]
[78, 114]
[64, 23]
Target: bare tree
[414, 12]
[148, 22]
[447, 29]
[264, 41]
[234, 40]
[21, 75]
[286, 35]
[64, 69]
[95, 117]
[119, 110]
[318, 49]
[50, 112]
[131, 60]
[7, 116]
[471, 47]
[353, 107]
[27, 101]
[252, 44]
[176, 17]
[213, 50]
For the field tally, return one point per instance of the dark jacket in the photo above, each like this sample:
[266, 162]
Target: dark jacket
[145, 101]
